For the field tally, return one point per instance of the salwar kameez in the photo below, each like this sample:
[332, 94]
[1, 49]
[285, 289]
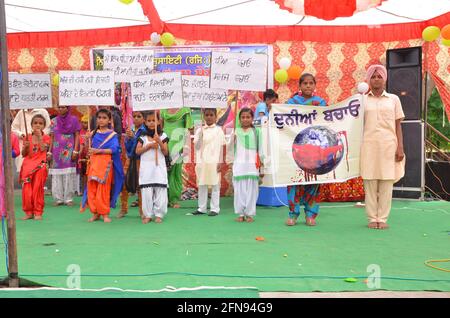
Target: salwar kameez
[175, 126]
[153, 180]
[33, 175]
[304, 195]
[104, 175]
[247, 156]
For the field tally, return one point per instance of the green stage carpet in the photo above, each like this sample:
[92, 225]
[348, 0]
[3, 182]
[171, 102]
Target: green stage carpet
[192, 251]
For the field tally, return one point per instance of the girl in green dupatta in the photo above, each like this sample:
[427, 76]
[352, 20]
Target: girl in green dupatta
[176, 122]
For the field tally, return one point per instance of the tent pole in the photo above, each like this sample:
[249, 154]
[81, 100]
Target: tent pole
[13, 276]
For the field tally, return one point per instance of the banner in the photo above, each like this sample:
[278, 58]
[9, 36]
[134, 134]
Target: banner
[315, 144]
[29, 90]
[156, 91]
[85, 88]
[197, 94]
[239, 71]
[128, 63]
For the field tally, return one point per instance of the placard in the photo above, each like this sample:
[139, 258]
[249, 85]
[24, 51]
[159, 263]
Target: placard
[128, 63]
[29, 90]
[78, 88]
[239, 71]
[197, 94]
[157, 91]
[316, 144]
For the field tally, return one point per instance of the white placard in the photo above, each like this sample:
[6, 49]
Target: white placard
[157, 91]
[128, 63]
[196, 93]
[239, 71]
[29, 90]
[84, 88]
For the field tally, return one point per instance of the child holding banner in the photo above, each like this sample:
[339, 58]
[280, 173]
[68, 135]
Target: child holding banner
[105, 172]
[65, 131]
[131, 141]
[33, 172]
[306, 195]
[209, 141]
[246, 166]
[152, 148]
[176, 122]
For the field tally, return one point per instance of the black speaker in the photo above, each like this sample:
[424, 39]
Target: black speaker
[404, 68]
[410, 186]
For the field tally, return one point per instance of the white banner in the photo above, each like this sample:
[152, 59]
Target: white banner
[239, 71]
[197, 94]
[29, 90]
[316, 144]
[128, 63]
[157, 91]
[84, 88]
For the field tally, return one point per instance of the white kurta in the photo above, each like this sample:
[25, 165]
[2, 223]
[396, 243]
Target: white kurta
[245, 171]
[150, 173]
[211, 140]
[153, 180]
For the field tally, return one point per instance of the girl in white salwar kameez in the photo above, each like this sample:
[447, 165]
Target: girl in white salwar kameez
[246, 166]
[152, 147]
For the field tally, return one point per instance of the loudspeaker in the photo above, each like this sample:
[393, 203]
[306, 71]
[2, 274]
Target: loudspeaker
[411, 185]
[404, 68]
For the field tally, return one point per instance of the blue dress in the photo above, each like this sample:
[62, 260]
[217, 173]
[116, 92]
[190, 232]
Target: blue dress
[306, 195]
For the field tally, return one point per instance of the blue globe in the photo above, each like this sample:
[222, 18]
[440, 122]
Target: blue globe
[317, 150]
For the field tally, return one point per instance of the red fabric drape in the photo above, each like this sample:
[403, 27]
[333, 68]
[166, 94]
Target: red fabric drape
[330, 9]
[444, 91]
[152, 14]
[228, 34]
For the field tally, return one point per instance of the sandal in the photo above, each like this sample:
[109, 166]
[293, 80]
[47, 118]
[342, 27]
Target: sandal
[135, 204]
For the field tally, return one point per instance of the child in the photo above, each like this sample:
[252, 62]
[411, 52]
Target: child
[307, 195]
[131, 141]
[84, 147]
[105, 172]
[246, 166]
[64, 132]
[152, 148]
[263, 108]
[33, 172]
[176, 122]
[208, 142]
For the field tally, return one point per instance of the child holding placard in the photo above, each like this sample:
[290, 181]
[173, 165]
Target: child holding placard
[33, 172]
[105, 172]
[208, 141]
[152, 148]
[305, 195]
[133, 160]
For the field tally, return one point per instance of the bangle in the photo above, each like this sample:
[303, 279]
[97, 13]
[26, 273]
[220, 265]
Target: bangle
[75, 152]
[49, 153]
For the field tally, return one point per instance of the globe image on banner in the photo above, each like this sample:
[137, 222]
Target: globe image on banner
[317, 150]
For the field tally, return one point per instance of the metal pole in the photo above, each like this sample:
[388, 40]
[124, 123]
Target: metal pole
[13, 276]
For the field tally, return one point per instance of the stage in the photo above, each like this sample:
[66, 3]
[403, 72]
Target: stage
[193, 251]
